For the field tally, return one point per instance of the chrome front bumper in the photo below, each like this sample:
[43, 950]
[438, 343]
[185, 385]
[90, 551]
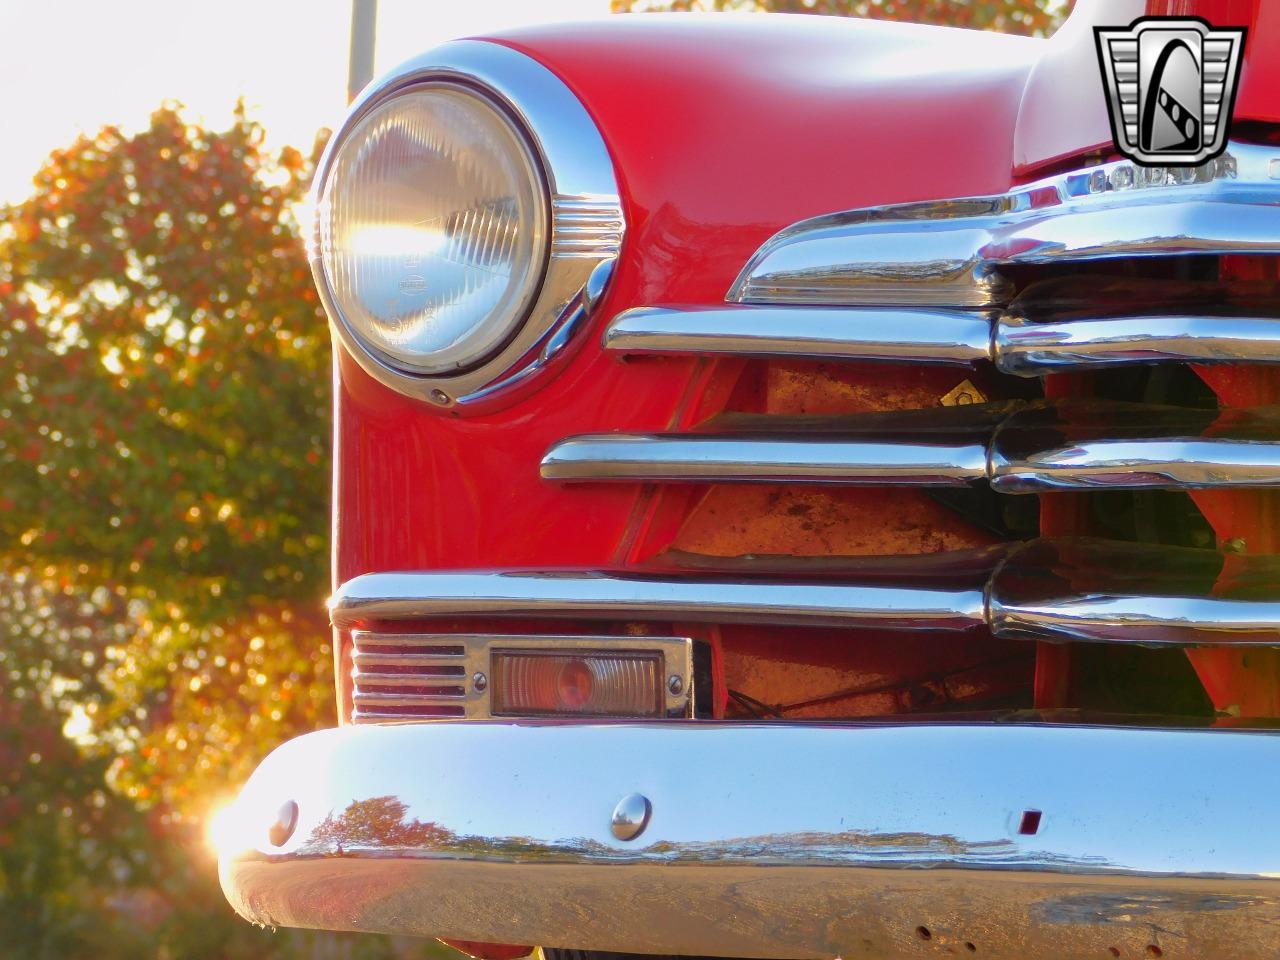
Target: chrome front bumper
[777, 840]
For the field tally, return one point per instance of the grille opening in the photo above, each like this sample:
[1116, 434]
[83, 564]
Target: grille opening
[1086, 273]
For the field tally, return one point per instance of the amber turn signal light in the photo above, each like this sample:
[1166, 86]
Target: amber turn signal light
[599, 684]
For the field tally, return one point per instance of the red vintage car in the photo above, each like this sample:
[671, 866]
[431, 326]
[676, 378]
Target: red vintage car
[800, 492]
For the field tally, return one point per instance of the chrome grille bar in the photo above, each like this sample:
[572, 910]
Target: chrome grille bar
[1046, 590]
[901, 335]
[678, 458]
[1030, 349]
[1097, 591]
[906, 335]
[594, 595]
[1036, 448]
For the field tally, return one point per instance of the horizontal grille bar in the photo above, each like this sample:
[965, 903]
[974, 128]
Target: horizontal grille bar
[603, 596]
[725, 459]
[1017, 448]
[939, 336]
[905, 335]
[386, 714]
[1045, 590]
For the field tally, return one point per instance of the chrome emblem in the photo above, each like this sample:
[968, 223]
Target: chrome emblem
[1171, 84]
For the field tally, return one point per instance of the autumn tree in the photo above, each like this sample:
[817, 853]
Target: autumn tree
[164, 385]
[164, 421]
[1031, 17]
[164, 378]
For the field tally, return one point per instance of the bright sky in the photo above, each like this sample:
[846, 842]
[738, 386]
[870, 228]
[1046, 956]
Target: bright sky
[71, 66]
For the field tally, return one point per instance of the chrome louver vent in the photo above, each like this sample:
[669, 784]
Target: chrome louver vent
[408, 676]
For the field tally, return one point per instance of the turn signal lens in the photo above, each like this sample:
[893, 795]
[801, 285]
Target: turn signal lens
[527, 683]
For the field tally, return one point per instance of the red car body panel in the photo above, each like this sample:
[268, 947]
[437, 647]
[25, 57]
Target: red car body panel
[723, 131]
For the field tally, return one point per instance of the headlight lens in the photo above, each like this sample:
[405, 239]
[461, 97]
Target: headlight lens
[433, 229]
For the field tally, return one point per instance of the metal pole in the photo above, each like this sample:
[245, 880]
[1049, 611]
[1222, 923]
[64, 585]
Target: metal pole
[364, 23]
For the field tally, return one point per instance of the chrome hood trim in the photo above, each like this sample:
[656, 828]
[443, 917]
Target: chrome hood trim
[774, 840]
[950, 252]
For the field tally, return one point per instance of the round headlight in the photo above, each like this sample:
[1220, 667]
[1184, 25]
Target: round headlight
[434, 229]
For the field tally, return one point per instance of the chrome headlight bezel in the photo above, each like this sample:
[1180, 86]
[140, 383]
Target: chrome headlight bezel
[585, 230]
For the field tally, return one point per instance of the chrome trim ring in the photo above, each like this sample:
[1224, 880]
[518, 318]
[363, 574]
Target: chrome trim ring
[586, 220]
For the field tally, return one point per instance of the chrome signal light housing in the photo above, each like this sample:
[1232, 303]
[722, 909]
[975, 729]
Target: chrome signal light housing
[404, 676]
[467, 216]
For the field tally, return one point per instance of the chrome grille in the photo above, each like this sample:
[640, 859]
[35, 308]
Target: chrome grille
[959, 282]
[935, 282]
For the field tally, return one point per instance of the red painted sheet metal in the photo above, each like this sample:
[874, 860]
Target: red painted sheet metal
[723, 130]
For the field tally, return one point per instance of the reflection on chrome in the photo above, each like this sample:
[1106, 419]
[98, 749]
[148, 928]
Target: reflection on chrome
[906, 335]
[863, 835]
[1018, 447]
[1091, 590]
[1050, 590]
[1014, 343]
[599, 595]
[575, 184]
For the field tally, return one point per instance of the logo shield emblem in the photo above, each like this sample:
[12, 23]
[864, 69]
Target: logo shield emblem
[1171, 84]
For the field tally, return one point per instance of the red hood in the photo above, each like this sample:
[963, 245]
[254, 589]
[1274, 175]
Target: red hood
[725, 129]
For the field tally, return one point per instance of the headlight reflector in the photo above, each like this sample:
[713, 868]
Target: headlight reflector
[434, 229]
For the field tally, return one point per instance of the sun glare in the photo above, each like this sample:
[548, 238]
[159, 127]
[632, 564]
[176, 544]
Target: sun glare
[227, 829]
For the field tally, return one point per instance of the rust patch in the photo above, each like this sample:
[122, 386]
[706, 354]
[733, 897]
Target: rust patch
[807, 521]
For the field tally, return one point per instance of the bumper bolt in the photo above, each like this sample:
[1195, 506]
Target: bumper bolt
[285, 823]
[675, 685]
[630, 816]
[479, 681]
